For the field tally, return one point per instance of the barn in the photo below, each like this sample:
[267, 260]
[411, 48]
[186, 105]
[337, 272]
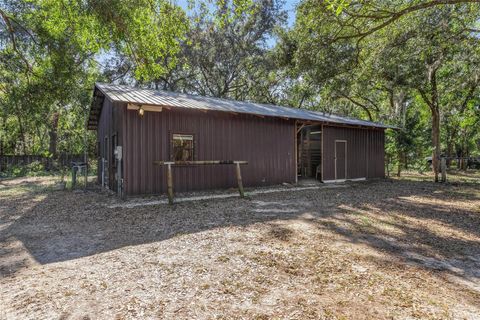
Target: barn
[139, 128]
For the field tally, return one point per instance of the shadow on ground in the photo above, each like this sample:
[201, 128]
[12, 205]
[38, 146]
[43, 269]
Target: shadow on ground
[58, 226]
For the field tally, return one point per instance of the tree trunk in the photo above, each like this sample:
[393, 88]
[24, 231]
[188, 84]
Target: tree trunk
[464, 162]
[433, 103]
[2, 142]
[399, 167]
[435, 140]
[22, 135]
[449, 152]
[52, 148]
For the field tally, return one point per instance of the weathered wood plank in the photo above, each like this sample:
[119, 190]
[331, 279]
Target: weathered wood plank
[170, 183]
[203, 162]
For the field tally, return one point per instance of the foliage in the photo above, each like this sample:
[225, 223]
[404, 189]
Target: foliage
[227, 58]
[414, 65]
[423, 60]
[49, 57]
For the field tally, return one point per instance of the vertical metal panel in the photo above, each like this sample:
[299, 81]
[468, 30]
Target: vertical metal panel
[365, 152]
[103, 130]
[376, 148]
[110, 123]
[266, 143]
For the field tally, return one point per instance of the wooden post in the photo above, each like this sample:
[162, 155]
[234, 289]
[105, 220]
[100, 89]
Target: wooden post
[74, 176]
[443, 167]
[169, 183]
[295, 147]
[239, 180]
[169, 165]
[119, 178]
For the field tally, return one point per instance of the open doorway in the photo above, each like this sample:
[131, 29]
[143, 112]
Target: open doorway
[309, 151]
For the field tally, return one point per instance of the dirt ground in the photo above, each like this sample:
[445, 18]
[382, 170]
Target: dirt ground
[391, 249]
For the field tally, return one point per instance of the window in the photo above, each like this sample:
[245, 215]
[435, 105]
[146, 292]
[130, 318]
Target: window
[182, 145]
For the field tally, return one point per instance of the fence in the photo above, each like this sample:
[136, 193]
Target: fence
[63, 160]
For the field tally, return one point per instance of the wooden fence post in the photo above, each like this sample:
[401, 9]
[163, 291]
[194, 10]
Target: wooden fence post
[443, 167]
[239, 180]
[169, 183]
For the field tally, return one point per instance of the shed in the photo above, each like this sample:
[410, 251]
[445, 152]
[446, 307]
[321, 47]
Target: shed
[136, 127]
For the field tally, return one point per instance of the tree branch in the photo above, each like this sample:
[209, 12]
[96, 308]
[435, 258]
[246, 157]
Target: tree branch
[397, 15]
[364, 107]
[11, 32]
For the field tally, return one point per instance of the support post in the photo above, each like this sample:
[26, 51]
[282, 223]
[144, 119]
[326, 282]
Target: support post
[169, 183]
[119, 178]
[85, 145]
[239, 180]
[86, 174]
[443, 167]
[74, 176]
[103, 173]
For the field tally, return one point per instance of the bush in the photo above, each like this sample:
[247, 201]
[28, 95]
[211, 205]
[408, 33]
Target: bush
[34, 168]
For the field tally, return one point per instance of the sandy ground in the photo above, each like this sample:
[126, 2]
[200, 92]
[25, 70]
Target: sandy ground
[391, 249]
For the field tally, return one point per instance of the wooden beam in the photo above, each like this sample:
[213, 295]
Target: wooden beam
[201, 162]
[169, 165]
[145, 107]
[152, 108]
[239, 180]
[301, 127]
[169, 183]
[322, 154]
[295, 148]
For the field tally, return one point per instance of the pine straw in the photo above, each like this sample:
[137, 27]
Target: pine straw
[397, 249]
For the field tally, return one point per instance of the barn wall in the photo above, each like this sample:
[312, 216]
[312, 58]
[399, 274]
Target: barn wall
[110, 123]
[376, 151]
[266, 143]
[103, 129]
[365, 152]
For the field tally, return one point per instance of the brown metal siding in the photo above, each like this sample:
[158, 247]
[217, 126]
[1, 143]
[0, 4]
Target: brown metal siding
[104, 124]
[266, 143]
[376, 152]
[365, 152]
[110, 123]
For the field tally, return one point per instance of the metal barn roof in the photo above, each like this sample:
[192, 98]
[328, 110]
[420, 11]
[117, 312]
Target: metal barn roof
[121, 93]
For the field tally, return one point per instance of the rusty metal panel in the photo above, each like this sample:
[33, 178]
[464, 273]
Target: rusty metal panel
[266, 143]
[365, 152]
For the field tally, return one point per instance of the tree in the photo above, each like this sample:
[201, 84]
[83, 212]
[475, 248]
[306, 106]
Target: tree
[226, 54]
[407, 57]
[48, 58]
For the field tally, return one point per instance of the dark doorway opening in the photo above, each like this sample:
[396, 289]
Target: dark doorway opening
[309, 151]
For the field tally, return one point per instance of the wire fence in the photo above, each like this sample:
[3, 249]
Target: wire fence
[38, 162]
